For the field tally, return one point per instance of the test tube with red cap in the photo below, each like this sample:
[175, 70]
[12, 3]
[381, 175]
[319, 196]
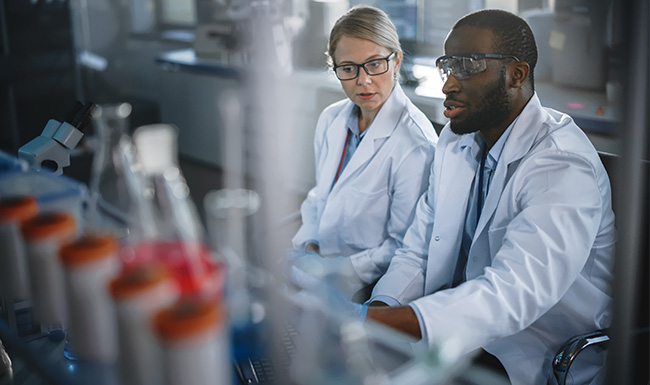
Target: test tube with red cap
[90, 263]
[195, 343]
[14, 275]
[138, 294]
[44, 235]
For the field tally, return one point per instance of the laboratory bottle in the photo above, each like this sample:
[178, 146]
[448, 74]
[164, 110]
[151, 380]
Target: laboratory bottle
[176, 235]
[194, 342]
[44, 235]
[138, 294]
[14, 275]
[90, 263]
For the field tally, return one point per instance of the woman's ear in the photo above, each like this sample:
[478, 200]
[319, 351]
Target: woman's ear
[398, 63]
[519, 74]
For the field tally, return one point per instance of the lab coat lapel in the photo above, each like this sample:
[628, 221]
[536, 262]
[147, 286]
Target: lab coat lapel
[381, 128]
[335, 142]
[456, 166]
[519, 143]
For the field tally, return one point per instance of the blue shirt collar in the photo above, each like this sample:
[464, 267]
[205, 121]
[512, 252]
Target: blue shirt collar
[353, 122]
[496, 150]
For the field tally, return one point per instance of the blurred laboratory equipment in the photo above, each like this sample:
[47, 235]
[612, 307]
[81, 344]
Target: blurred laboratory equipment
[227, 212]
[14, 273]
[178, 238]
[14, 278]
[90, 263]
[195, 345]
[109, 197]
[221, 31]
[51, 149]
[53, 193]
[578, 41]
[139, 294]
[225, 30]
[6, 370]
[44, 235]
[311, 45]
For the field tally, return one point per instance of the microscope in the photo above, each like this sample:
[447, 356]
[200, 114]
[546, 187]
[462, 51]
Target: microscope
[52, 148]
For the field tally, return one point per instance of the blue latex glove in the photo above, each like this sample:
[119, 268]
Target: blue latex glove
[320, 294]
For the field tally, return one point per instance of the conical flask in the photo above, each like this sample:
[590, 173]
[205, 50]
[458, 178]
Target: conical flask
[109, 200]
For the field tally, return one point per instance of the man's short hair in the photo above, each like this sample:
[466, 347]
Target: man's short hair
[514, 34]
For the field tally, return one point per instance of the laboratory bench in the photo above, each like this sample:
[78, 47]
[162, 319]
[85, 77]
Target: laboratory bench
[384, 355]
[198, 83]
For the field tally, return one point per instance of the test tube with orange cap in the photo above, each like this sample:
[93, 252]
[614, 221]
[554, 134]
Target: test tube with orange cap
[14, 276]
[138, 294]
[194, 343]
[44, 235]
[90, 263]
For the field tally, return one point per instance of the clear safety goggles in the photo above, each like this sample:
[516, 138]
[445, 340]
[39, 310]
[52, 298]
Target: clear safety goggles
[465, 65]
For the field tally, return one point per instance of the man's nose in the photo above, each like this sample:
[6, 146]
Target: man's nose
[450, 85]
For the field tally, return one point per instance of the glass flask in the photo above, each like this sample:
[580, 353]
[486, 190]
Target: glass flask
[109, 198]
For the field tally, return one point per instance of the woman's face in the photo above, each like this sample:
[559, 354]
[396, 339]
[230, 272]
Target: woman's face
[367, 92]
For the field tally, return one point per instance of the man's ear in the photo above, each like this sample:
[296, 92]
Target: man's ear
[519, 74]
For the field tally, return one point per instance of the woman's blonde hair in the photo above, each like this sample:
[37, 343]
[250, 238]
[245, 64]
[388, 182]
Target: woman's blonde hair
[364, 22]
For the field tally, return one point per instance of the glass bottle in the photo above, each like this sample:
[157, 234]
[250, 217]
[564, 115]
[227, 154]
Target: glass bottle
[176, 236]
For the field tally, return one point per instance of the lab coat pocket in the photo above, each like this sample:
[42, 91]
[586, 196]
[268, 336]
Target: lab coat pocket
[495, 239]
[366, 214]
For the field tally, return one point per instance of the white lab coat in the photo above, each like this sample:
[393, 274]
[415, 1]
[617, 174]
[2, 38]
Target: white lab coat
[367, 212]
[540, 267]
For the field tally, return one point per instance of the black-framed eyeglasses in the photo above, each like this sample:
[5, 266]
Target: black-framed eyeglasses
[372, 67]
[465, 65]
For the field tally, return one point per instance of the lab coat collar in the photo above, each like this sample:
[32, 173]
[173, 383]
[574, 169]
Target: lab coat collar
[335, 141]
[381, 128]
[523, 136]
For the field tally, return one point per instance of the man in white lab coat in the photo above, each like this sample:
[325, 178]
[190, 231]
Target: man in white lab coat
[511, 248]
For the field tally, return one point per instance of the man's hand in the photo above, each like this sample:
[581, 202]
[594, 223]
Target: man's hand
[402, 318]
[312, 247]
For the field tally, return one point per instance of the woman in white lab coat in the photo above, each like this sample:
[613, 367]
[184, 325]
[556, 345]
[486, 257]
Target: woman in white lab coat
[373, 153]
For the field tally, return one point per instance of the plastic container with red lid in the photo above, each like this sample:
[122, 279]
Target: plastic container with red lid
[14, 275]
[138, 294]
[44, 235]
[198, 274]
[195, 343]
[90, 263]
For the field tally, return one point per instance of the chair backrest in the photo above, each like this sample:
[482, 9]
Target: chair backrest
[569, 351]
[641, 322]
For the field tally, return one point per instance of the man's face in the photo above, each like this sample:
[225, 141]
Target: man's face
[481, 102]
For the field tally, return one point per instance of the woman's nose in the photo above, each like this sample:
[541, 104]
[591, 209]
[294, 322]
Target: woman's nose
[363, 77]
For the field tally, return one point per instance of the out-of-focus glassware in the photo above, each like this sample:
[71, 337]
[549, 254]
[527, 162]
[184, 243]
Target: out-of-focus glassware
[227, 212]
[175, 232]
[109, 196]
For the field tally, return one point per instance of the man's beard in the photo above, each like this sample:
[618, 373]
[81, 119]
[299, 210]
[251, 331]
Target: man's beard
[493, 110]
